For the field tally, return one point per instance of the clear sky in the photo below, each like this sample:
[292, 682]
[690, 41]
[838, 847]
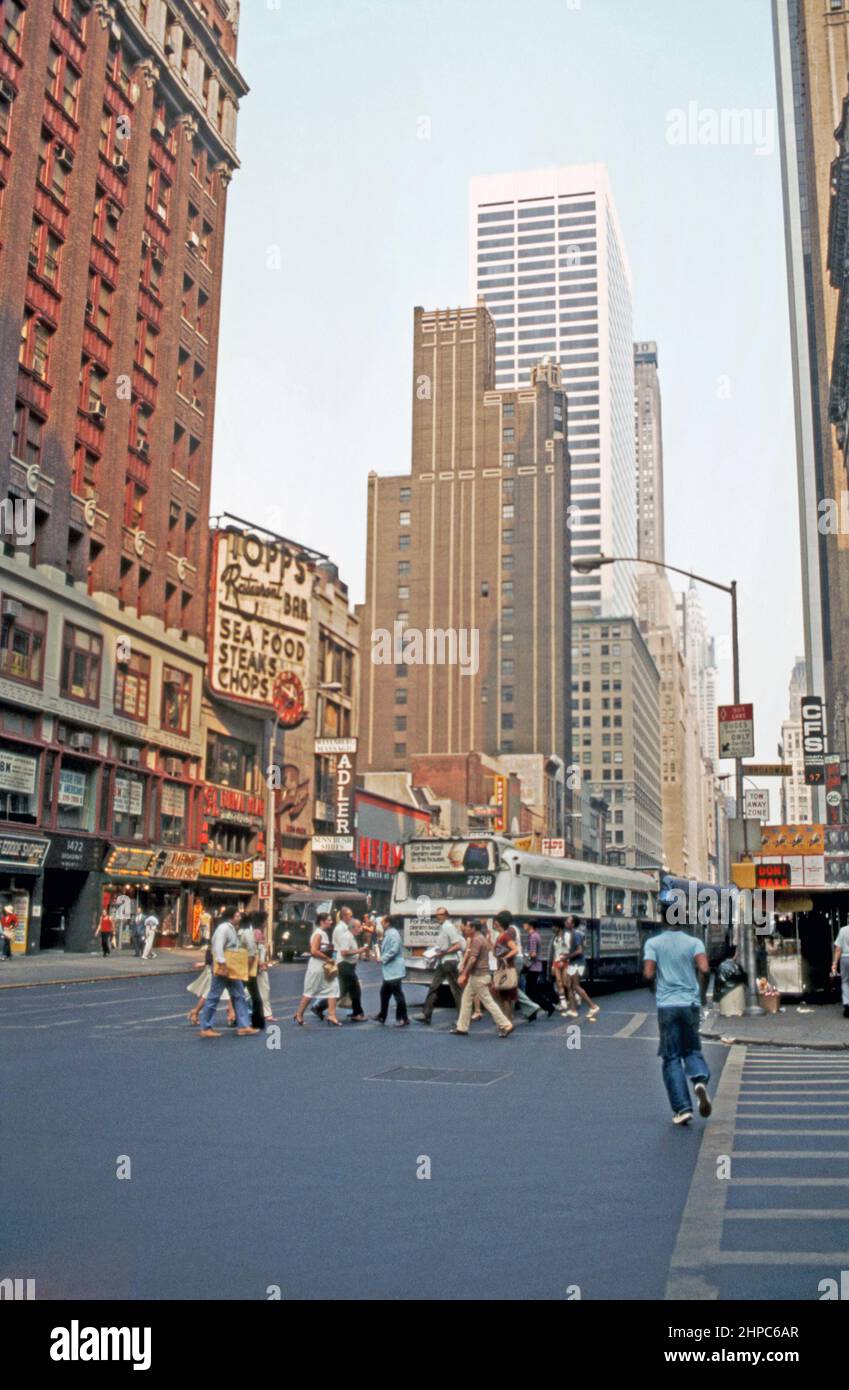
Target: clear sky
[342, 219]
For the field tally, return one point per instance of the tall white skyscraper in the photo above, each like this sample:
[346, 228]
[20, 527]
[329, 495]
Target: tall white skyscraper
[546, 254]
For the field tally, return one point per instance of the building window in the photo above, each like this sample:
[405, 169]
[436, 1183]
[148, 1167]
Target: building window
[400, 750]
[128, 806]
[132, 687]
[13, 24]
[404, 542]
[400, 723]
[22, 633]
[63, 82]
[509, 435]
[81, 655]
[27, 430]
[44, 251]
[403, 518]
[176, 695]
[173, 813]
[405, 494]
[34, 350]
[229, 762]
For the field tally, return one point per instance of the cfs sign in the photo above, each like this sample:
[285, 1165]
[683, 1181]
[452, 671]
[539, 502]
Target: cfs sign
[813, 740]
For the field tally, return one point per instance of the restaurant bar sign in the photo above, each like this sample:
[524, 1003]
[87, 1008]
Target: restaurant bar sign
[260, 614]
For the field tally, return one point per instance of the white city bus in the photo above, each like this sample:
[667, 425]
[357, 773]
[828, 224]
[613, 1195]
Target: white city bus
[478, 876]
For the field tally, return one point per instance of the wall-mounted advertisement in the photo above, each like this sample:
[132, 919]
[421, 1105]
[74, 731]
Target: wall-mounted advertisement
[260, 615]
[17, 772]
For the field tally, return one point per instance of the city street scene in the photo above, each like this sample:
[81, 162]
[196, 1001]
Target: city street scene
[424, 661]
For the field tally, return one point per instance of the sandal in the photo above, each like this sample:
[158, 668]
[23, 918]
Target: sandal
[334, 1022]
[295, 1019]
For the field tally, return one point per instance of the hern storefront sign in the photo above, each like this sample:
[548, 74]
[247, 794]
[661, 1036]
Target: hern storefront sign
[260, 615]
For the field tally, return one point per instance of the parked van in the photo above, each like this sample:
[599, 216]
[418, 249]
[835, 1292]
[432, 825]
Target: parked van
[295, 921]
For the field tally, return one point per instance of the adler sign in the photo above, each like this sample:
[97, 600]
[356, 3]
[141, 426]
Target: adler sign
[260, 618]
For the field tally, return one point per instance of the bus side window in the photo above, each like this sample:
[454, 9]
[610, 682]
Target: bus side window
[542, 894]
[572, 897]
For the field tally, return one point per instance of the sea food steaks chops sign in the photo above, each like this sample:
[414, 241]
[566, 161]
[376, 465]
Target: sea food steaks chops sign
[260, 615]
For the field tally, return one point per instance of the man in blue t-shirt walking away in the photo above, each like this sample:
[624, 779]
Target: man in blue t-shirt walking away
[675, 964]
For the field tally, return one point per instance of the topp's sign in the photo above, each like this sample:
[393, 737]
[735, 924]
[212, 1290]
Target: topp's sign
[260, 615]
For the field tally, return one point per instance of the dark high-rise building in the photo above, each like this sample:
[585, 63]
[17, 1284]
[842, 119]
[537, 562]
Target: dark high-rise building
[117, 144]
[466, 628]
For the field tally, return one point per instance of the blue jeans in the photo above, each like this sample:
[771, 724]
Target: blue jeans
[237, 993]
[681, 1049]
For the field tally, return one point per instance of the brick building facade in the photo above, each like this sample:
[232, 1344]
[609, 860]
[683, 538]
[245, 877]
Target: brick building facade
[117, 144]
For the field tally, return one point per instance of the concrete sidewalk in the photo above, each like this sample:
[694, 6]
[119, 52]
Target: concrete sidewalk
[90, 967]
[817, 1026]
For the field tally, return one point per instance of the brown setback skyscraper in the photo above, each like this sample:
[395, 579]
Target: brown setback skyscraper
[465, 630]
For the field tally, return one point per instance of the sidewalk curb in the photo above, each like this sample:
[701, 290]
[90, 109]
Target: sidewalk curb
[100, 979]
[775, 1042]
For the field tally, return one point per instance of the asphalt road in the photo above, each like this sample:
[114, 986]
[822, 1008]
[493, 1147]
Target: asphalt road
[551, 1166]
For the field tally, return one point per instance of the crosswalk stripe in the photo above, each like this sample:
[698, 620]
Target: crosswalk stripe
[787, 1214]
[791, 1133]
[789, 1153]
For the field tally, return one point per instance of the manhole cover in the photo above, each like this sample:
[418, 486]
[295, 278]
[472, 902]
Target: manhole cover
[441, 1076]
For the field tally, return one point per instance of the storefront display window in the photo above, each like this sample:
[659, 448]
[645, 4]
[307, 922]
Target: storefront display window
[76, 795]
[128, 806]
[22, 631]
[18, 785]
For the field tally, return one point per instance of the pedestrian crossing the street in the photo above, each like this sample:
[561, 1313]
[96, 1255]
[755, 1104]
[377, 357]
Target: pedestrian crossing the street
[768, 1210]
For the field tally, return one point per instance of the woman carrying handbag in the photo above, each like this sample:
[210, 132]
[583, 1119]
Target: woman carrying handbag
[505, 981]
[322, 978]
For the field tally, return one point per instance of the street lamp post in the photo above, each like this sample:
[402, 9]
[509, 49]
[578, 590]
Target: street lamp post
[595, 563]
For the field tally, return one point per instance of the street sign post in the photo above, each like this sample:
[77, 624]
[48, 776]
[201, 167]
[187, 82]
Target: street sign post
[736, 731]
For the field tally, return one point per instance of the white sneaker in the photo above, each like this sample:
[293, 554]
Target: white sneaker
[683, 1117]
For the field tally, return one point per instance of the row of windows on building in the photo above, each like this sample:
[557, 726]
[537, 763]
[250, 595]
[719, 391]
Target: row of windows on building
[23, 637]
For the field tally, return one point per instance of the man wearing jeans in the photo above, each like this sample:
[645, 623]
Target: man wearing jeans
[676, 964]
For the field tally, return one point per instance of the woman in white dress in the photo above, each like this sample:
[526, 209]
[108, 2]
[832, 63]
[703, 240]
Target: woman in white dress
[316, 982]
